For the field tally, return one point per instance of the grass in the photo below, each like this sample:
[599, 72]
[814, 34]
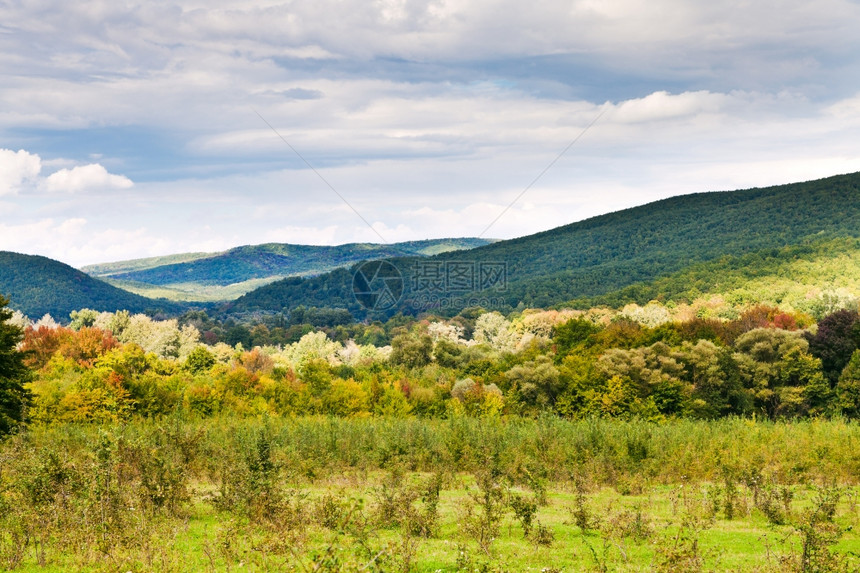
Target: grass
[348, 495]
[191, 291]
[211, 539]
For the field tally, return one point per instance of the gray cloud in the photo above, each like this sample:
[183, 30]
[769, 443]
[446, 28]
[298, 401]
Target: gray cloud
[427, 114]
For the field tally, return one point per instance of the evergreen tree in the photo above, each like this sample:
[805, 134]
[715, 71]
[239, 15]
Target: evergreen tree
[14, 396]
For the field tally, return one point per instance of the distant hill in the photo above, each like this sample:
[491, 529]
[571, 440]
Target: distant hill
[229, 274]
[594, 258]
[120, 267]
[38, 285]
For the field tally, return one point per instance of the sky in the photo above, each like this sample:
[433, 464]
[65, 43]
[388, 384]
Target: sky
[134, 129]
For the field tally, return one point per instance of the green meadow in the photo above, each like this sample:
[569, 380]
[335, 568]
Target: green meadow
[463, 494]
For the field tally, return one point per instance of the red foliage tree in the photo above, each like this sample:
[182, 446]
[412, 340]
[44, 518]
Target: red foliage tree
[83, 346]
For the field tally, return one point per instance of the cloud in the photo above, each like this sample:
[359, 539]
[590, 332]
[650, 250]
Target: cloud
[300, 93]
[85, 178]
[662, 105]
[303, 235]
[76, 242]
[17, 169]
[453, 105]
[20, 170]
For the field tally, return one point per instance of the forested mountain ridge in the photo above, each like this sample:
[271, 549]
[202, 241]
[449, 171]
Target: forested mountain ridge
[261, 261]
[603, 254]
[229, 274]
[101, 270]
[38, 285]
[668, 250]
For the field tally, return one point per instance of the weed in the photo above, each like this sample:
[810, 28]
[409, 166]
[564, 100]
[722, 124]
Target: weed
[163, 481]
[630, 485]
[541, 535]
[333, 511]
[818, 533]
[534, 477]
[397, 504]
[393, 499]
[632, 524]
[466, 563]
[603, 558]
[581, 513]
[425, 522]
[483, 525]
[680, 552]
[524, 510]
[731, 501]
[774, 501]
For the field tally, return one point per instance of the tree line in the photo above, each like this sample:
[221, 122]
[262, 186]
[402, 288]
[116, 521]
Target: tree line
[640, 362]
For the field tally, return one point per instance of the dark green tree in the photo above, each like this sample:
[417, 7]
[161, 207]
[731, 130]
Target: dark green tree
[848, 388]
[837, 338]
[14, 396]
[785, 380]
[239, 334]
[572, 333]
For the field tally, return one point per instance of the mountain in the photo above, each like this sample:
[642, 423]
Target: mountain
[38, 285]
[593, 258]
[801, 276]
[229, 274]
[107, 269]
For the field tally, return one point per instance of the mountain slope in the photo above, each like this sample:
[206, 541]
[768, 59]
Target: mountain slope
[38, 285]
[798, 277]
[107, 269]
[229, 274]
[610, 252]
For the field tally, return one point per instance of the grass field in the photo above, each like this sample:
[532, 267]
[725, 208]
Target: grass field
[411, 495]
[191, 292]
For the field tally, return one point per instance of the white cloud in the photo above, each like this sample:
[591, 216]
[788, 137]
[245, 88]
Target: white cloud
[16, 169]
[453, 105]
[661, 105]
[85, 178]
[302, 235]
[76, 242]
[20, 170]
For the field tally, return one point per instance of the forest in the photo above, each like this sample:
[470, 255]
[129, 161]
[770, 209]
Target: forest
[639, 362]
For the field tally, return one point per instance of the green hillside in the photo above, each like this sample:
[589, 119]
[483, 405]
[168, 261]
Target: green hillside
[793, 277]
[108, 269]
[229, 274]
[191, 291]
[599, 256]
[38, 285]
